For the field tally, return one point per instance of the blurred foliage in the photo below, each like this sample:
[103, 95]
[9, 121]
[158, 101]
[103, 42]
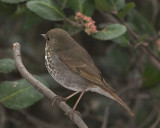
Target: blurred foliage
[19, 94]
[7, 65]
[113, 48]
[150, 76]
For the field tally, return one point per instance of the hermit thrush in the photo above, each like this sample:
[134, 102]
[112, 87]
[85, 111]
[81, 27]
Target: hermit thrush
[73, 68]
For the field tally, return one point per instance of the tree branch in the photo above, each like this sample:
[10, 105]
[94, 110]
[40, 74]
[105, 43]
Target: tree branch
[38, 123]
[41, 88]
[134, 37]
[155, 124]
[73, 23]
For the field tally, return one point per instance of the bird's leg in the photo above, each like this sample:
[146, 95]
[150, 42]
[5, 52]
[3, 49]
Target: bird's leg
[68, 97]
[58, 98]
[73, 110]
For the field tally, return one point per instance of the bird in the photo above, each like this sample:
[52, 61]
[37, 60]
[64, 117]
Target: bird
[72, 67]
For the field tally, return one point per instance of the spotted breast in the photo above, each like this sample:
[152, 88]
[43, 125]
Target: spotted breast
[63, 75]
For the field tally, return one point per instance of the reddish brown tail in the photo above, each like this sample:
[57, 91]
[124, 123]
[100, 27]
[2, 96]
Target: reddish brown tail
[109, 92]
[120, 101]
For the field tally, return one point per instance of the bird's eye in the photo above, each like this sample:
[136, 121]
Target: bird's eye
[47, 38]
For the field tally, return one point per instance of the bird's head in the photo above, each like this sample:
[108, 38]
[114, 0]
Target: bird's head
[54, 36]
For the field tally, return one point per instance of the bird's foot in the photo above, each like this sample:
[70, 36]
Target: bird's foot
[57, 99]
[71, 113]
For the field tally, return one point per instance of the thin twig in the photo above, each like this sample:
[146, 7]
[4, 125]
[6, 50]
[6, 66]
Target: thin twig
[138, 104]
[41, 88]
[2, 117]
[154, 59]
[148, 119]
[39, 123]
[18, 123]
[134, 38]
[155, 124]
[155, 4]
[64, 4]
[73, 23]
[105, 118]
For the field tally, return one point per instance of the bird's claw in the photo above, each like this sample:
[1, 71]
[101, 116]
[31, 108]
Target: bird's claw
[57, 99]
[71, 113]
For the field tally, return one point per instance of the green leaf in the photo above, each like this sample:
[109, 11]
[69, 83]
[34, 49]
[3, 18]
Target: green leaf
[19, 94]
[102, 5]
[139, 24]
[141, 39]
[46, 9]
[7, 65]
[143, 112]
[88, 7]
[155, 91]
[72, 30]
[6, 10]
[31, 20]
[122, 40]
[76, 5]
[112, 31]
[118, 3]
[118, 61]
[118, 58]
[21, 10]
[13, 1]
[150, 75]
[126, 9]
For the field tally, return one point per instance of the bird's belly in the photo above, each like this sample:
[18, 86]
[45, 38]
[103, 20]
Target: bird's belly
[65, 76]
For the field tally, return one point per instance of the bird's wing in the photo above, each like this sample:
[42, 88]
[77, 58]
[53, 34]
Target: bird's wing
[81, 63]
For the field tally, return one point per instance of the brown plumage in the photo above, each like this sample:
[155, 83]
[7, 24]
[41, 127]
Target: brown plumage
[71, 66]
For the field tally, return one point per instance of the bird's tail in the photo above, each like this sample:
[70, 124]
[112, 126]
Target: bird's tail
[120, 101]
[109, 93]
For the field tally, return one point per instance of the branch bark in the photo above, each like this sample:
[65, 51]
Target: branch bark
[41, 88]
[73, 23]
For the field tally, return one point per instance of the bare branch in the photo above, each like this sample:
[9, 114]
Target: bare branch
[155, 10]
[155, 124]
[154, 59]
[41, 88]
[148, 119]
[134, 37]
[39, 123]
[2, 116]
[106, 116]
[107, 110]
[73, 23]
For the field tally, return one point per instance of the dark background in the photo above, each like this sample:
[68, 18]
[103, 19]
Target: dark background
[124, 64]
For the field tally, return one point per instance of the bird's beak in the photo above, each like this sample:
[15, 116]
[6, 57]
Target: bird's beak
[44, 35]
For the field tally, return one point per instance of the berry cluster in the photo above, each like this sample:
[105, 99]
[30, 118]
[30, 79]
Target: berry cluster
[87, 22]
